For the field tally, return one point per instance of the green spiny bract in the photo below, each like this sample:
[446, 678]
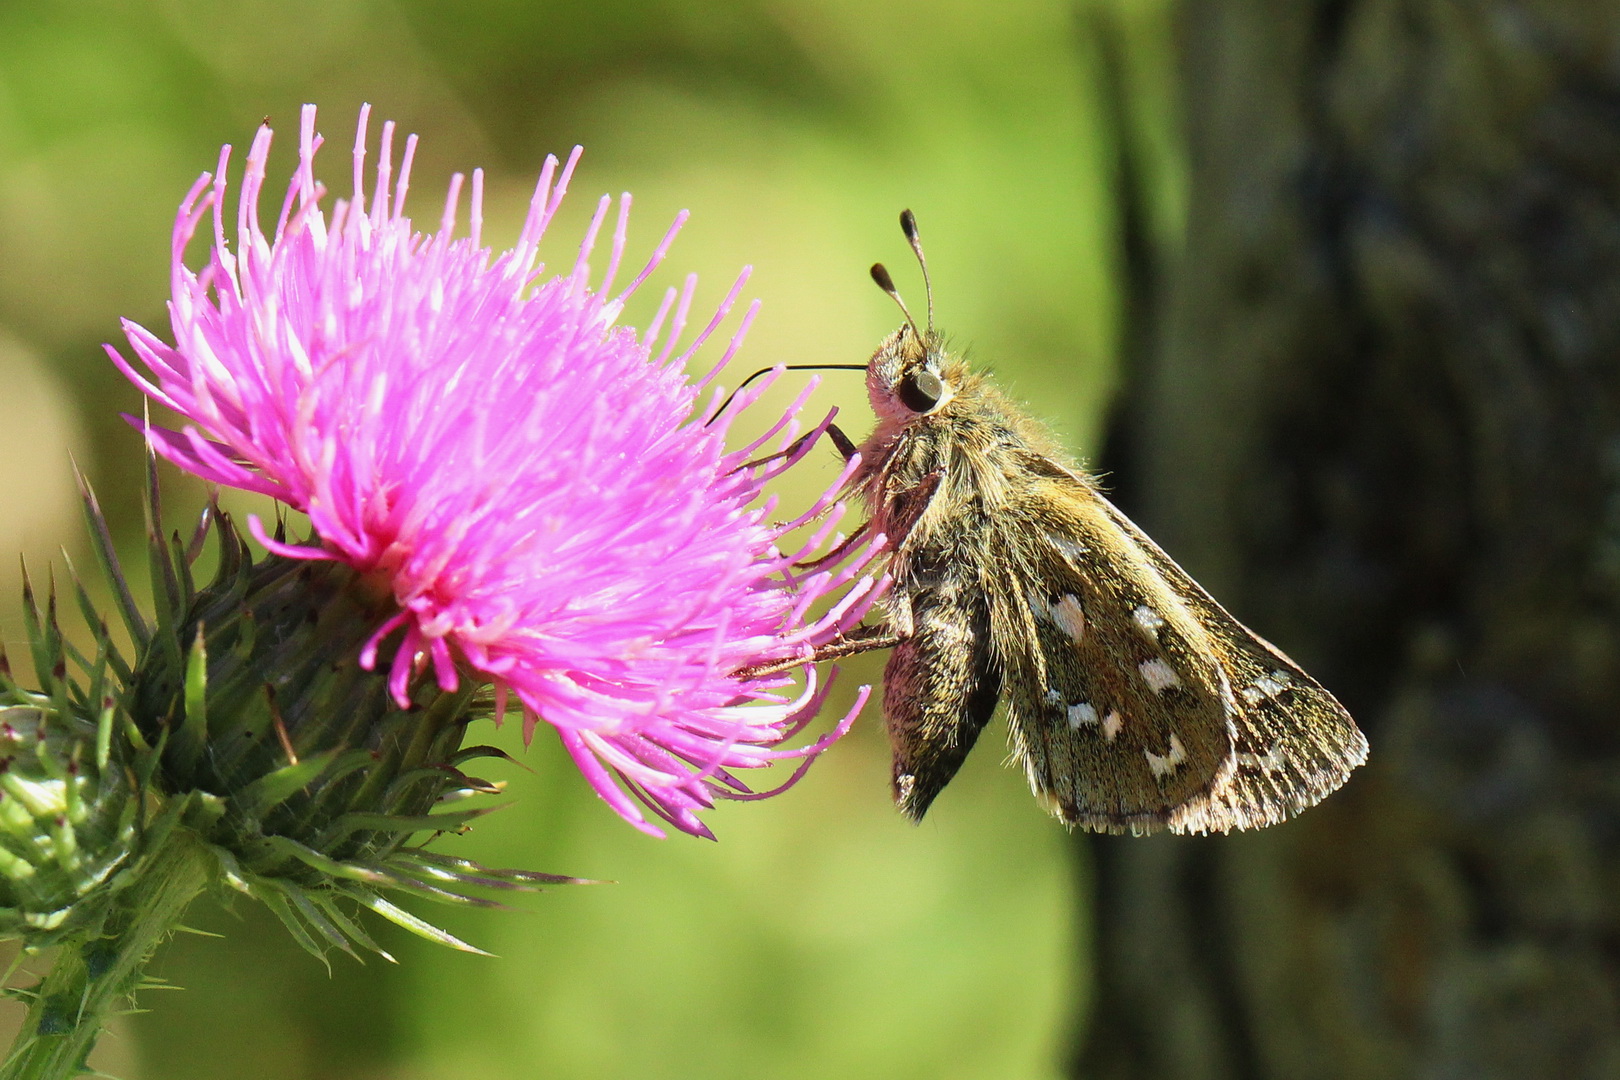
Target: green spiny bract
[247, 720]
[67, 822]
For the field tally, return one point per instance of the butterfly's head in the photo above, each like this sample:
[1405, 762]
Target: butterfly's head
[906, 378]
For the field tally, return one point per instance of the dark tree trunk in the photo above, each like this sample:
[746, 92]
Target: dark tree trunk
[1378, 415]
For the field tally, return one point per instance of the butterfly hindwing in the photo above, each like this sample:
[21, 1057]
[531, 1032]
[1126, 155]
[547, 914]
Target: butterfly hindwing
[941, 684]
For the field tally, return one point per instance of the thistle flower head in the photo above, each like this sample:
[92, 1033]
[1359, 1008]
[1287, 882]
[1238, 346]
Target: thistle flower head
[531, 484]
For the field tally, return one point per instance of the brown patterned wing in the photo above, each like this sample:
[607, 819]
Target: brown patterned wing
[1293, 744]
[1119, 708]
[940, 689]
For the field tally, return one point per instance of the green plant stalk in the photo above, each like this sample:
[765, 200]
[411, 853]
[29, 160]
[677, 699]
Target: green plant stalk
[94, 976]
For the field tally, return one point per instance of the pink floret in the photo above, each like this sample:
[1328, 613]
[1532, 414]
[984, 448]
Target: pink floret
[537, 485]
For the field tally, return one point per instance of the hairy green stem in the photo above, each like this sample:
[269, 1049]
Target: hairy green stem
[94, 976]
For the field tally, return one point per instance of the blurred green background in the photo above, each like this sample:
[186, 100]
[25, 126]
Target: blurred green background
[822, 936]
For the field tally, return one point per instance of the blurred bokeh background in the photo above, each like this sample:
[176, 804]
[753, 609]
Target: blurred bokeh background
[821, 936]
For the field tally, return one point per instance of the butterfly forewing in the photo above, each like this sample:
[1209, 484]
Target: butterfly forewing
[1293, 742]
[1115, 702]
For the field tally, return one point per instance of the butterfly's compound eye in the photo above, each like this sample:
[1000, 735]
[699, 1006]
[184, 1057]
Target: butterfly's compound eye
[920, 390]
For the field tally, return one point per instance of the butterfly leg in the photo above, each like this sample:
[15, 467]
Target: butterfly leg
[842, 442]
[839, 552]
[846, 448]
[859, 640]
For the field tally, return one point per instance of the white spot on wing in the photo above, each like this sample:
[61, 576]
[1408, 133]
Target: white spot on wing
[1147, 620]
[1266, 686]
[1111, 724]
[1069, 616]
[1072, 550]
[1159, 675]
[1053, 697]
[1272, 760]
[1163, 765]
[1083, 713]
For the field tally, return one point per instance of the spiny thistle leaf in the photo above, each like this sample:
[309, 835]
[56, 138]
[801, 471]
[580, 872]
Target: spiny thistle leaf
[107, 557]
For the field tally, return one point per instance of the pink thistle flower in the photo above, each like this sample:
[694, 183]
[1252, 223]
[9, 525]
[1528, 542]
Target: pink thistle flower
[537, 488]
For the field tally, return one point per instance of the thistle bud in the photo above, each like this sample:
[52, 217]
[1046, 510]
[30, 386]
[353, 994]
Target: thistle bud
[66, 822]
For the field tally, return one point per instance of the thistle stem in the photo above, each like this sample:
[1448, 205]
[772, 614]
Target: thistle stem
[95, 975]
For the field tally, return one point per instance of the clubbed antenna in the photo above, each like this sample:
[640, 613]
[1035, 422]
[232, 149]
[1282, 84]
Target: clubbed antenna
[880, 274]
[908, 225]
